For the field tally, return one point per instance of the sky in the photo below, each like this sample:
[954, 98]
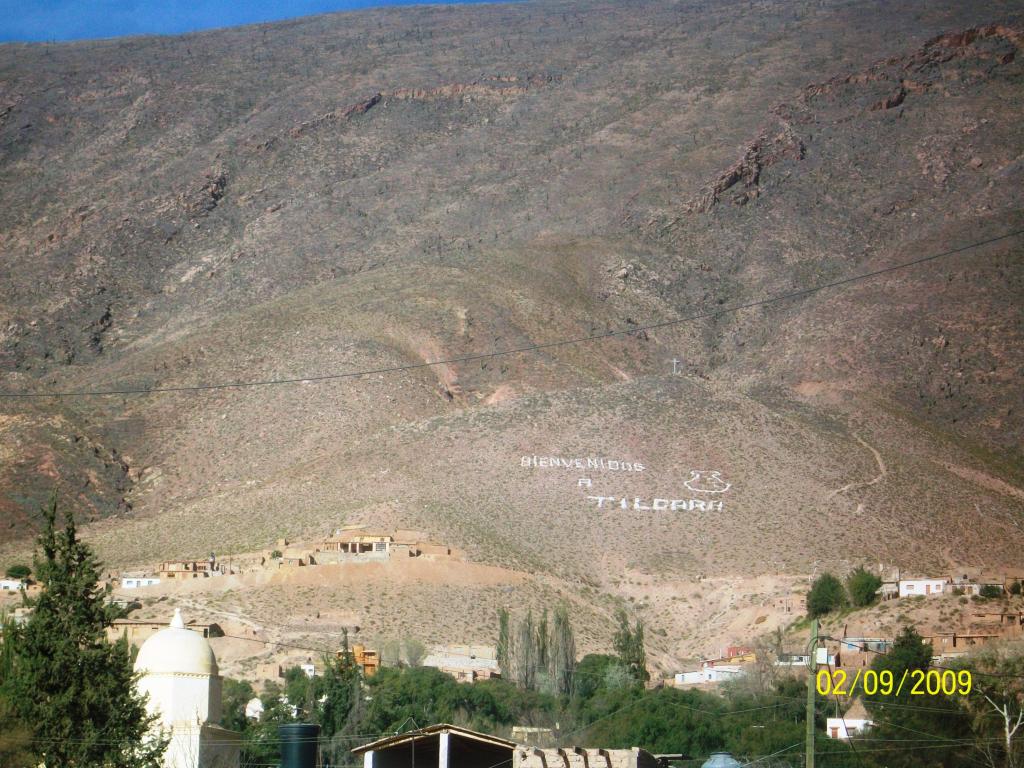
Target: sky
[42, 20]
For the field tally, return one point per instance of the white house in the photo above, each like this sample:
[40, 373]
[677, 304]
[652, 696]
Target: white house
[10, 585]
[709, 674]
[309, 669]
[853, 723]
[254, 708]
[793, 660]
[132, 582]
[914, 587]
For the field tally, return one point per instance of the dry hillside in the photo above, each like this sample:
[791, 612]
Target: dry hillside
[379, 189]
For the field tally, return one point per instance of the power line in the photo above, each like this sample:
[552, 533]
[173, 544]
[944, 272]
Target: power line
[518, 350]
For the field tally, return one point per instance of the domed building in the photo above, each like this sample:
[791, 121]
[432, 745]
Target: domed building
[179, 675]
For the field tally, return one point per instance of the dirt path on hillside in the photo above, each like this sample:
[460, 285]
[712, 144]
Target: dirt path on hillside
[882, 471]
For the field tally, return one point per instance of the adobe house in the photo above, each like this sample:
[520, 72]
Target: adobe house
[185, 569]
[137, 632]
[437, 746]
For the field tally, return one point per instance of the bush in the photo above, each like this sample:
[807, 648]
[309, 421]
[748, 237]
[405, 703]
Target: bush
[862, 586]
[275, 555]
[21, 572]
[826, 595]
[990, 590]
[1015, 588]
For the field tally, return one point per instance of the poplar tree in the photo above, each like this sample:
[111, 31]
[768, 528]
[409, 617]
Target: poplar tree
[524, 654]
[562, 652]
[541, 655]
[629, 645]
[61, 676]
[503, 641]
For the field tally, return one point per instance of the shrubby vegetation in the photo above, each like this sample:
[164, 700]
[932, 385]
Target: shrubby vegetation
[826, 595]
[18, 572]
[862, 586]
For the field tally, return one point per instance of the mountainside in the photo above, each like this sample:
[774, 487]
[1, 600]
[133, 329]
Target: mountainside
[380, 189]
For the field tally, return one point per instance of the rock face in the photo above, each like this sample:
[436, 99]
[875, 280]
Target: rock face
[403, 194]
[764, 151]
[970, 54]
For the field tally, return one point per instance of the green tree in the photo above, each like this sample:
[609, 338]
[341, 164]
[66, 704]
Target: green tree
[235, 695]
[862, 585]
[629, 645]
[996, 705]
[503, 641]
[339, 692]
[541, 641]
[523, 654]
[414, 651]
[61, 675]
[1014, 587]
[990, 591]
[19, 572]
[261, 745]
[562, 652]
[391, 653]
[901, 713]
[15, 740]
[826, 595]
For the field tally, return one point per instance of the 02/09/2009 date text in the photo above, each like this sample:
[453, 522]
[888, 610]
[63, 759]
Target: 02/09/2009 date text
[917, 682]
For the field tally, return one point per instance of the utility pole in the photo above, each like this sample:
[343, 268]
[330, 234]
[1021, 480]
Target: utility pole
[812, 682]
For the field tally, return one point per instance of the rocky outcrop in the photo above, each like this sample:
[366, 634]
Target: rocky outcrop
[917, 73]
[492, 87]
[766, 150]
[204, 200]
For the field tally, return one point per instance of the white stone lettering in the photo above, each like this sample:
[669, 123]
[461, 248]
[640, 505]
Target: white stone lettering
[707, 481]
[578, 462]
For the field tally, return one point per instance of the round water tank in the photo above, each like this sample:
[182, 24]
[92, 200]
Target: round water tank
[300, 744]
[721, 760]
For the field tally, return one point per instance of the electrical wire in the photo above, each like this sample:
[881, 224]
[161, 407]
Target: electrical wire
[523, 349]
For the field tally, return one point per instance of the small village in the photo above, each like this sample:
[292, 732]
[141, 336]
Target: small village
[992, 614]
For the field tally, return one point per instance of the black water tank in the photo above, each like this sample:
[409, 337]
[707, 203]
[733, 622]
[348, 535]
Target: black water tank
[299, 744]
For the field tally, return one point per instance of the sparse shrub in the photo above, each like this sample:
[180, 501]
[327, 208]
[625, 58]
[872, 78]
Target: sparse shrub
[963, 601]
[990, 591]
[1015, 588]
[826, 595]
[958, 591]
[276, 554]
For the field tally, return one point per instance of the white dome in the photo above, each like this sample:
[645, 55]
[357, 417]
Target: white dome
[176, 650]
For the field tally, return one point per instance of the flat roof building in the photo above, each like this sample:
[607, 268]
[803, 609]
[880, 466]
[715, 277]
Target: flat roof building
[437, 746]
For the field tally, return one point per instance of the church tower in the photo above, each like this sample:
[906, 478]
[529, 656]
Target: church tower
[180, 677]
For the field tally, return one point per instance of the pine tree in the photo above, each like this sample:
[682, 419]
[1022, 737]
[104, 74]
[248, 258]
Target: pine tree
[62, 676]
[15, 740]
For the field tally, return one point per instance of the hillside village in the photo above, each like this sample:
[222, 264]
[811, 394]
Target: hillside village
[955, 613]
